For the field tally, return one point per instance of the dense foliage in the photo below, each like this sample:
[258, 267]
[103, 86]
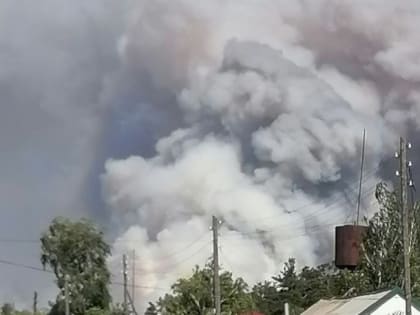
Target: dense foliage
[382, 264]
[8, 309]
[194, 295]
[76, 250]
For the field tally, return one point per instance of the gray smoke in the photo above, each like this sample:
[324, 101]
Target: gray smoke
[55, 59]
[274, 98]
[166, 112]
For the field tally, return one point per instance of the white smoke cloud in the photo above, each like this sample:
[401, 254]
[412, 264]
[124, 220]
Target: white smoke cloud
[246, 110]
[174, 202]
[272, 117]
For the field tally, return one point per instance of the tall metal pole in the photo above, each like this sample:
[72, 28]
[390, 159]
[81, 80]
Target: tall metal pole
[133, 308]
[66, 295]
[125, 304]
[359, 199]
[286, 309]
[405, 224]
[216, 279]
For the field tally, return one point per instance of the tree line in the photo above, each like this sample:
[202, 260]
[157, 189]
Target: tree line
[77, 250]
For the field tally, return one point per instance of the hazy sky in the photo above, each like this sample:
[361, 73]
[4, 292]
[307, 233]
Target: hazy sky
[151, 116]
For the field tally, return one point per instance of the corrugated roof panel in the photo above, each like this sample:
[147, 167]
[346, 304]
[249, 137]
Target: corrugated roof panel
[344, 306]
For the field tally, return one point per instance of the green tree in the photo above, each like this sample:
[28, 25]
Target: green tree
[267, 299]
[7, 309]
[382, 246]
[152, 309]
[382, 259]
[96, 311]
[300, 290]
[77, 250]
[116, 310]
[194, 295]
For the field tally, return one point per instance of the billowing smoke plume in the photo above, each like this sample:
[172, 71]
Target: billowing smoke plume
[271, 99]
[167, 112]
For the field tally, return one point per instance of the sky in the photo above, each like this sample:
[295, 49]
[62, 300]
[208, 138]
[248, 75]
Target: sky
[149, 117]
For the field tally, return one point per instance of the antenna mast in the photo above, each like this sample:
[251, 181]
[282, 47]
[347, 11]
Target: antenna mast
[359, 199]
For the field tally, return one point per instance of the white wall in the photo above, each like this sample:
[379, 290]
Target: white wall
[394, 306]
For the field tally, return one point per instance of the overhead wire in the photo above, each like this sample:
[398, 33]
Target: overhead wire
[277, 237]
[225, 261]
[181, 250]
[167, 268]
[277, 230]
[34, 268]
[175, 264]
[304, 221]
[335, 200]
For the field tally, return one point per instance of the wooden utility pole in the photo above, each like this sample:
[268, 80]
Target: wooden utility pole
[35, 304]
[66, 295]
[133, 289]
[405, 224]
[125, 304]
[216, 279]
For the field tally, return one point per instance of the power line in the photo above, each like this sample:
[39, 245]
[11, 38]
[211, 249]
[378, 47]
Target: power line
[183, 249]
[25, 241]
[335, 201]
[11, 263]
[174, 253]
[340, 199]
[144, 271]
[287, 238]
[225, 259]
[272, 232]
[306, 221]
[34, 268]
[313, 229]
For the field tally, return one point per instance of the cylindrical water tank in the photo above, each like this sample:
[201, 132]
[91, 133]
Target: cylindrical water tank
[348, 239]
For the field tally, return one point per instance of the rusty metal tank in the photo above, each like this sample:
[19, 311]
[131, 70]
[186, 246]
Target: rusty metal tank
[348, 239]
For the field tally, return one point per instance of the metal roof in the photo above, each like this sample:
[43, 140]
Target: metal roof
[351, 306]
